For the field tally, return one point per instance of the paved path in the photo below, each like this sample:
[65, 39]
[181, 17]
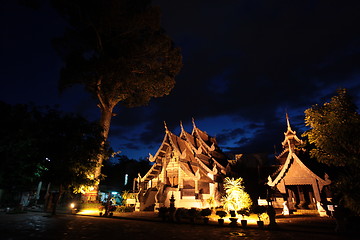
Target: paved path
[139, 226]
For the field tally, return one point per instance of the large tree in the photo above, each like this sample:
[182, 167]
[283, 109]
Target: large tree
[70, 145]
[20, 158]
[43, 144]
[118, 51]
[335, 133]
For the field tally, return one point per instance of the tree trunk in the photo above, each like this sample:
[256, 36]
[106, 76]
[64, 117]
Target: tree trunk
[105, 121]
[56, 200]
[47, 198]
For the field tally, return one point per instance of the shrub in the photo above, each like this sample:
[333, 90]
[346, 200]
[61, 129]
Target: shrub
[221, 213]
[244, 212]
[205, 212]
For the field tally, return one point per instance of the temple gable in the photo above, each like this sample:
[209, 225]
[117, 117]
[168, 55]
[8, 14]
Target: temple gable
[296, 182]
[188, 167]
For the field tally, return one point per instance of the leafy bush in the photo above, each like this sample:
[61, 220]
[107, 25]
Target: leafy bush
[221, 213]
[236, 198]
[244, 212]
[205, 212]
[193, 212]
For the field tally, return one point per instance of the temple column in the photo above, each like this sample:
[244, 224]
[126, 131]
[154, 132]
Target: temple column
[196, 188]
[316, 189]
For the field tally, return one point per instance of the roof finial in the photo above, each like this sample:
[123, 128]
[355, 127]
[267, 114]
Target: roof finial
[193, 122]
[181, 126]
[166, 128]
[287, 121]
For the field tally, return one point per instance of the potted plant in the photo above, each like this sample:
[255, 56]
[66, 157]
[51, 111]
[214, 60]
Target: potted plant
[233, 219]
[221, 214]
[244, 212]
[259, 210]
[205, 213]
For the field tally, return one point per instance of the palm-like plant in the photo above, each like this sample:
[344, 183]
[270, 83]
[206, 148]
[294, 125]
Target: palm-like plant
[236, 198]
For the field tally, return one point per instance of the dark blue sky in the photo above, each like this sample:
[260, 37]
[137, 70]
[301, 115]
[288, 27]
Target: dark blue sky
[245, 64]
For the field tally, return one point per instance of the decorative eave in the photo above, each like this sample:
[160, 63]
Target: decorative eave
[203, 148]
[198, 174]
[281, 174]
[282, 153]
[188, 142]
[196, 132]
[207, 169]
[287, 165]
[182, 132]
[291, 158]
[167, 141]
[154, 171]
[160, 150]
[174, 142]
[292, 134]
[202, 142]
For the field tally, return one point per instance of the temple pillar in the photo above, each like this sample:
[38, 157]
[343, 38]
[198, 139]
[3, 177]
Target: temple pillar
[316, 188]
[196, 189]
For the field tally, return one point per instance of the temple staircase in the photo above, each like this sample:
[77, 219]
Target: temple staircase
[148, 200]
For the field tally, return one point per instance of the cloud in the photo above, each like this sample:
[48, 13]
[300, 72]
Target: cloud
[254, 60]
[250, 60]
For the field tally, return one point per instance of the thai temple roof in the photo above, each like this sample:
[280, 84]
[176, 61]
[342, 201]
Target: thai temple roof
[289, 156]
[198, 153]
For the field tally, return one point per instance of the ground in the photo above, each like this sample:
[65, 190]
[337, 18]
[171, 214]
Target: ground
[146, 225]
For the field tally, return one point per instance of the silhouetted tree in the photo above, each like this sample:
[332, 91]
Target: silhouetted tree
[335, 133]
[115, 172]
[20, 159]
[71, 145]
[48, 145]
[118, 51]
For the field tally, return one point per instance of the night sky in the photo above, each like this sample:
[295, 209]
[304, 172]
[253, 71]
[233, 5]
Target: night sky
[246, 63]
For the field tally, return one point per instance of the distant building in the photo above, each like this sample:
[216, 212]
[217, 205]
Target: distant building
[191, 167]
[298, 181]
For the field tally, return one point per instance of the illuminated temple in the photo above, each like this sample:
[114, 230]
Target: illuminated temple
[301, 183]
[189, 167]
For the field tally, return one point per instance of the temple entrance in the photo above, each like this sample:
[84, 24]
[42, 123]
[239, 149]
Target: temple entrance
[300, 197]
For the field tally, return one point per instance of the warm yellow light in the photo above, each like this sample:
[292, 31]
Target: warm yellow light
[89, 211]
[251, 220]
[236, 198]
[72, 205]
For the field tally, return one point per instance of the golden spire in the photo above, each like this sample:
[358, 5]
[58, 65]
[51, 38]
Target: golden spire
[288, 122]
[166, 128]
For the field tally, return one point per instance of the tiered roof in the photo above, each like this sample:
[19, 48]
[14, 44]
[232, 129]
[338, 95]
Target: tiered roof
[290, 157]
[198, 154]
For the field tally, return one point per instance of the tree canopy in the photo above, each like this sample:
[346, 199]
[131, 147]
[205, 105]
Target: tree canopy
[116, 172]
[335, 134]
[118, 51]
[71, 144]
[20, 155]
[47, 145]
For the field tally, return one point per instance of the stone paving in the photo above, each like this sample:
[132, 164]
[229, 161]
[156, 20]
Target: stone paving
[147, 225]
